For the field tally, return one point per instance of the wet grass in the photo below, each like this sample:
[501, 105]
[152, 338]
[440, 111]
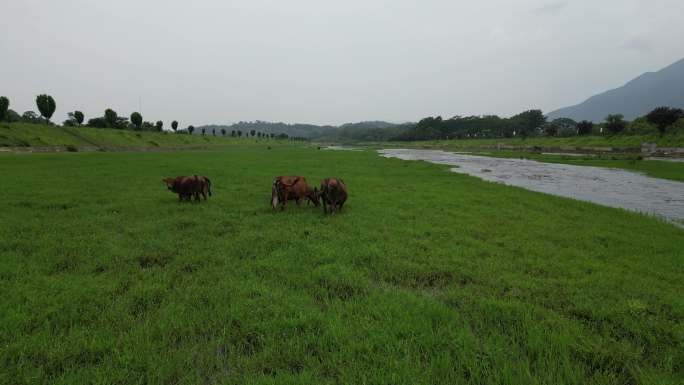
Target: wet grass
[427, 277]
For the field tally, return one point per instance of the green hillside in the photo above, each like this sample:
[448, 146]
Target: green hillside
[37, 135]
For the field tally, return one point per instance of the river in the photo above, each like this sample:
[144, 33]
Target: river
[605, 186]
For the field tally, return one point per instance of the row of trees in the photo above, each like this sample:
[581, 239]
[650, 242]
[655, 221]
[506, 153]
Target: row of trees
[47, 106]
[111, 119]
[45, 103]
[524, 124]
[534, 123]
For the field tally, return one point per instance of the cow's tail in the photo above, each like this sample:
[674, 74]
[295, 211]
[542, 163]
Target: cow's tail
[208, 185]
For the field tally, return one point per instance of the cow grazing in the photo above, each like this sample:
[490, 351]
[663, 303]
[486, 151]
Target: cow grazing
[333, 194]
[295, 188]
[205, 188]
[189, 186]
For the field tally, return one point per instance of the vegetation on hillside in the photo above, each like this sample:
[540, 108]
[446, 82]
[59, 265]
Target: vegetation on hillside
[40, 135]
[528, 124]
[353, 132]
[662, 120]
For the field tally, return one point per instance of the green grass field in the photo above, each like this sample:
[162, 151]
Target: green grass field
[427, 277]
[618, 141]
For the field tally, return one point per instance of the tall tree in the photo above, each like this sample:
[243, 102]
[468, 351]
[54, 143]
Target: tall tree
[664, 117]
[46, 105]
[30, 117]
[584, 127]
[550, 129]
[528, 122]
[252, 132]
[213, 131]
[79, 117]
[12, 116]
[174, 126]
[159, 125]
[4, 106]
[191, 129]
[110, 117]
[615, 123]
[232, 133]
[203, 131]
[137, 120]
[223, 132]
[239, 134]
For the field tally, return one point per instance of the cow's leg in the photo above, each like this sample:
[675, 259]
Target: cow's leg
[285, 196]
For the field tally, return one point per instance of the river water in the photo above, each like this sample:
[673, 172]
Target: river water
[605, 186]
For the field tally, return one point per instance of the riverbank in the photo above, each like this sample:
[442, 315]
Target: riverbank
[670, 143]
[608, 187]
[665, 168]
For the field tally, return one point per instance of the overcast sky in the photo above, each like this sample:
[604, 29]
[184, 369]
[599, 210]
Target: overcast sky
[327, 61]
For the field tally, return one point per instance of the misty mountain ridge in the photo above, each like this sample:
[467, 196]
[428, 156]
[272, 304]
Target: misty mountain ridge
[636, 98]
[304, 130]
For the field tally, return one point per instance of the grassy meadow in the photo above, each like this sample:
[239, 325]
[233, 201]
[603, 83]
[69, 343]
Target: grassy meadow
[40, 135]
[675, 139]
[427, 277]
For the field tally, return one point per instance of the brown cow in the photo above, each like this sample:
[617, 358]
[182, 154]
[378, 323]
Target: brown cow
[333, 194]
[205, 188]
[189, 186]
[295, 188]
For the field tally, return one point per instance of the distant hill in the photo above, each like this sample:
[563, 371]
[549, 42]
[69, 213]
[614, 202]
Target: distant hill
[372, 130]
[296, 129]
[634, 99]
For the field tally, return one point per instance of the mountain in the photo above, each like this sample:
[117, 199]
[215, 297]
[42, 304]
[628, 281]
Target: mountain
[634, 99]
[296, 129]
[374, 130]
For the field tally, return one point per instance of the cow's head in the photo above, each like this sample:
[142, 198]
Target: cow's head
[275, 194]
[170, 184]
[315, 197]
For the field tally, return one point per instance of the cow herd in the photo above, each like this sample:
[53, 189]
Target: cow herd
[332, 193]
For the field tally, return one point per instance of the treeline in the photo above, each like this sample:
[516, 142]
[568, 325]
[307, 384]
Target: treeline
[46, 106]
[487, 126]
[111, 119]
[374, 131]
[533, 123]
[297, 130]
[361, 131]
